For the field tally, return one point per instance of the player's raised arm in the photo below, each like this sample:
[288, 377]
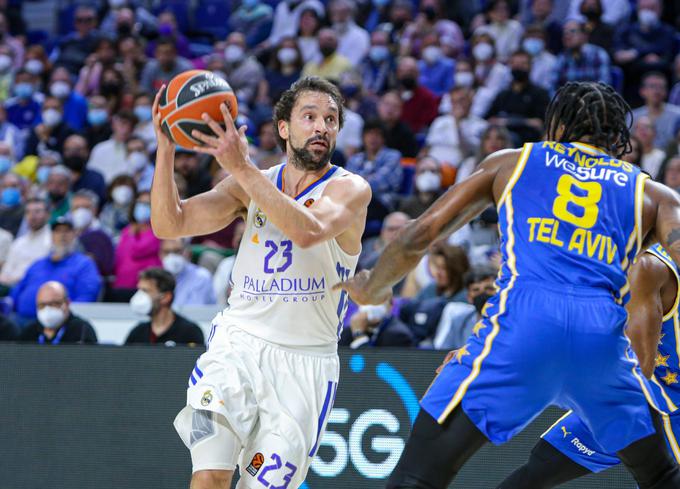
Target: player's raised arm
[208, 212]
[458, 206]
[645, 308]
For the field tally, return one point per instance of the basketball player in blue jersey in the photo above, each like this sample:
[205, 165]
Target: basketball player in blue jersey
[572, 218]
[568, 450]
[260, 396]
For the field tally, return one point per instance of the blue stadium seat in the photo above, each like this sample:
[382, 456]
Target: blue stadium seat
[617, 78]
[407, 172]
[212, 16]
[65, 19]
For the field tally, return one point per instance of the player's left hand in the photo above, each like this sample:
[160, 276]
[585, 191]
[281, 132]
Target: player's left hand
[229, 146]
[359, 292]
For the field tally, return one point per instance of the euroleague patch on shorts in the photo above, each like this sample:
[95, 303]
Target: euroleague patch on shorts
[255, 464]
[309, 202]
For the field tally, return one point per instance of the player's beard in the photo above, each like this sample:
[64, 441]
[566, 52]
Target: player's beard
[309, 160]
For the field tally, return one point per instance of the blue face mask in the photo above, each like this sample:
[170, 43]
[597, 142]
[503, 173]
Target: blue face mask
[42, 174]
[249, 4]
[378, 53]
[10, 197]
[533, 45]
[23, 90]
[142, 212]
[143, 113]
[5, 164]
[97, 117]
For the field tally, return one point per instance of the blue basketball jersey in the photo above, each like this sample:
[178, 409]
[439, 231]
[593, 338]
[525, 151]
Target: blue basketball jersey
[578, 220]
[667, 365]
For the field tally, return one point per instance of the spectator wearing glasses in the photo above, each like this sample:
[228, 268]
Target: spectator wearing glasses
[56, 323]
[74, 48]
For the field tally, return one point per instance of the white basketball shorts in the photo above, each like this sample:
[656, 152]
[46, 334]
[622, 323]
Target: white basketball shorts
[275, 399]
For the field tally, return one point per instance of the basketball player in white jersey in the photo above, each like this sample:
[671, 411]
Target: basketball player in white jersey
[260, 396]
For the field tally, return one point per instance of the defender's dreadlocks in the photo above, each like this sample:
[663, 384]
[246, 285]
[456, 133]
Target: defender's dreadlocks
[592, 110]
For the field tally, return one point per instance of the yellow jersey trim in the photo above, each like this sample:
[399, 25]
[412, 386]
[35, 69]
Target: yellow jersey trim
[670, 265]
[639, 204]
[669, 402]
[650, 399]
[565, 415]
[676, 329]
[672, 441]
[517, 172]
[488, 342]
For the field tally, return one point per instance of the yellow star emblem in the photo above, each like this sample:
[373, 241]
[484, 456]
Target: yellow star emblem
[661, 360]
[670, 378]
[478, 327]
[460, 353]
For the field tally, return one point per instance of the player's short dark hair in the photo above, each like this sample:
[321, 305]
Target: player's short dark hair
[591, 110]
[284, 107]
[163, 279]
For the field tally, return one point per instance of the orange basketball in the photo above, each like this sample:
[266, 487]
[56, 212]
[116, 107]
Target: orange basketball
[186, 98]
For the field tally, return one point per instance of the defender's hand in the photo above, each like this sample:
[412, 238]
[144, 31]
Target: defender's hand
[229, 146]
[357, 288]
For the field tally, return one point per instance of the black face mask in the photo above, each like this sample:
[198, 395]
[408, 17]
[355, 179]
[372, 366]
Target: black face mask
[326, 51]
[480, 300]
[110, 88]
[398, 24]
[430, 13]
[124, 30]
[56, 197]
[592, 14]
[409, 83]
[520, 76]
[75, 163]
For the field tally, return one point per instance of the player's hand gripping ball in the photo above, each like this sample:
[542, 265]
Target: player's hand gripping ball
[186, 98]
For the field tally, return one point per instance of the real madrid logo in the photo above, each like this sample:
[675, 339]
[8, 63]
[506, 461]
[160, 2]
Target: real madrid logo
[207, 398]
[309, 202]
[260, 218]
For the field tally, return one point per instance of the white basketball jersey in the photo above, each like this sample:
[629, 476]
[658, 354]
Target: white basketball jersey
[282, 293]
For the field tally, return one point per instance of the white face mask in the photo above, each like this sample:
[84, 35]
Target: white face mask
[60, 89]
[482, 51]
[287, 55]
[648, 18]
[51, 317]
[233, 53]
[5, 62]
[428, 182]
[174, 263]
[82, 218]
[141, 303]
[432, 54]
[464, 79]
[138, 161]
[51, 117]
[34, 66]
[375, 313]
[122, 195]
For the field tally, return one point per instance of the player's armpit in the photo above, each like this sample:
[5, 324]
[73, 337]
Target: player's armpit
[202, 214]
[645, 309]
[342, 206]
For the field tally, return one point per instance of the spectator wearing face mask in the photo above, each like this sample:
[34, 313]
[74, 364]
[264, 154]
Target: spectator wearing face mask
[420, 104]
[56, 323]
[51, 133]
[454, 136]
[287, 17]
[542, 61]
[353, 41]
[15, 44]
[76, 154]
[138, 247]
[332, 64]
[144, 126]
[430, 18]
[110, 157]
[98, 121]
[376, 326]
[12, 189]
[58, 187]
[458, 319]
[506, 32]
[427, 183]
[76, 271]
[23, 109]
[120, 201]
[29, 247]
[245, 72]
[436, 70]
[139, 163]
[599, 33]
[154, 298]
[74, 105]
[284, 69]
[90, 76]
[491, 76]
[193, 283]
[92, 238]
[377, 67]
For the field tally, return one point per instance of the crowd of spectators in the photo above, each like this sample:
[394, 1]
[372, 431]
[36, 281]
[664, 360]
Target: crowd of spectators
[431, 88]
